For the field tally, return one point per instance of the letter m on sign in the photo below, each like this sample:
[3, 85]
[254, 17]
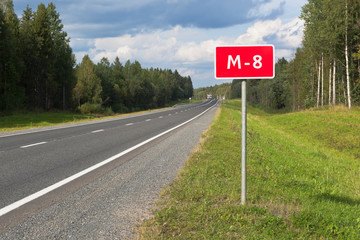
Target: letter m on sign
[231, 60]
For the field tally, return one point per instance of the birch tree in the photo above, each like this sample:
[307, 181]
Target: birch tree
[334, 82]
[330, 79]
[347, 54]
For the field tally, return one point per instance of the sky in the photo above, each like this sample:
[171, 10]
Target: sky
[176, 34]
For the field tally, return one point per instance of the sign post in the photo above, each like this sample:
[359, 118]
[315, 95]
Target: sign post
[244, 62]
[243, 141]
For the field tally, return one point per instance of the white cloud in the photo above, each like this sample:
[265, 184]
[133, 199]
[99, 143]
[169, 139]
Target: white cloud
[256, 33]
[191, 50]
[265, 9]
[157, 47]
[274, 32]
[148, 47]
[186, 72]
[284, 53]
[197, 52]
[162, 46]
[291, 34]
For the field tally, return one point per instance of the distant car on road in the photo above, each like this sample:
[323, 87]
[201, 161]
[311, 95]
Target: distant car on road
[209, 96]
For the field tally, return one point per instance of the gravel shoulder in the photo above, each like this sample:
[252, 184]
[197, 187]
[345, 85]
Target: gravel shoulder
[112, 206]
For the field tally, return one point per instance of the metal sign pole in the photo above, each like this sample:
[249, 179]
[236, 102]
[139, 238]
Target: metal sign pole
[258, 63]
[243, 141]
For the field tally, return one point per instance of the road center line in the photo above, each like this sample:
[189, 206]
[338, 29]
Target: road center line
[96, 131]
[44, 191]
[32, 145]
[129, 124]
[147, 120]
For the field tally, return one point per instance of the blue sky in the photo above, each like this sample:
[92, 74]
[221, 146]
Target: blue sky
[176, 34]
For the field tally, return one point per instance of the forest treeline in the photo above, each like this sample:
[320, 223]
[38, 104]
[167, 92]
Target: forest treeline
[38, 70]
[129, 87]
[325, 69]
[217, 91]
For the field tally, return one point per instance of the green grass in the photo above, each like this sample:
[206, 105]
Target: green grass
[25, 120]
[19, 121]
[303, 180]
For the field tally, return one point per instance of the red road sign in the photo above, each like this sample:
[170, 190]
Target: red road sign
[245, 62]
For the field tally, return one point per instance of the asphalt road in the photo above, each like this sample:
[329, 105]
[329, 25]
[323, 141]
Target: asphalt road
[34, 161]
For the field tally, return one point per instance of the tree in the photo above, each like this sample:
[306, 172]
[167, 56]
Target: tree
[64, 60]
[45, 84]
[347, 53]
[11, 92]
[331, 32]
[188, 87]
[236, 88]
[29, 56]
[104, 72]
[222, 90]
[279, 88]
[88, 87]
[121, 85]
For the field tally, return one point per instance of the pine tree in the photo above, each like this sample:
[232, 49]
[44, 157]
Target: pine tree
[63, 59]
[45, 61]
[104, 72]
[29, 56]
[11, 91]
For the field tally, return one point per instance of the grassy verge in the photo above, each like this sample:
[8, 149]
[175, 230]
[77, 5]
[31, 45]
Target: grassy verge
[303, 180]
[20, 121]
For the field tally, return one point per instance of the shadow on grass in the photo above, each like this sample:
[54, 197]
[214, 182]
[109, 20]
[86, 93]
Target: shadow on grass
[338, 199]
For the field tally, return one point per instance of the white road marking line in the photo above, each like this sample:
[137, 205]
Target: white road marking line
[32, 145]
[40, 193]
[161, 117]
[169, 114]
[129, 124]
[147, 120]
[96, 131]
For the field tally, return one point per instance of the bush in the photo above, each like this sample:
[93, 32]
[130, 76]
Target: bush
[120, 108]
[108, 111]
[95, 108]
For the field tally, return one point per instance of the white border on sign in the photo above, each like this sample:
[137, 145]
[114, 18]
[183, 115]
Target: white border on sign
[259, 45]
